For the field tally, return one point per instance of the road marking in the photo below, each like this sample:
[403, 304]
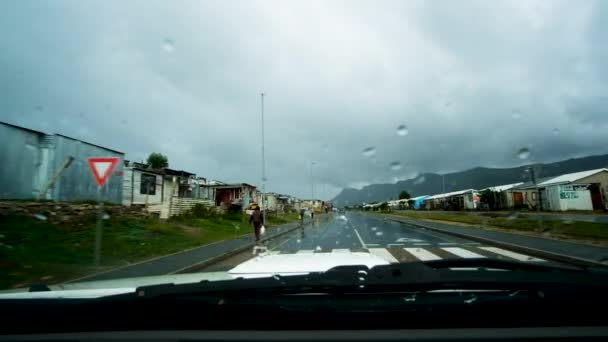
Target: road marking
[461, 252]
[447, 243]
[422, 254]
[372, 244]
[422, 244]
[305, 251]
[509, 254]
[394, 244]
[384, 254]
[408, 240]
[360, 239]
[340, 250]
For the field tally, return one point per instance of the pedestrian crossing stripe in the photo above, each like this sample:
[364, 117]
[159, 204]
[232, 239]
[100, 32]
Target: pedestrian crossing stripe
[422, 254]
[384, 254]
[513, 255]
[396, 254]
[461, 252]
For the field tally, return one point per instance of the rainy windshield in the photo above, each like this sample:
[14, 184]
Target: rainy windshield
[215, 140]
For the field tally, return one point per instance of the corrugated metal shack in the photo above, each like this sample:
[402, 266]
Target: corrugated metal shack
[52, 166]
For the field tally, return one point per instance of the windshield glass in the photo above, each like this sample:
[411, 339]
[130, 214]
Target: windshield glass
[151, 142]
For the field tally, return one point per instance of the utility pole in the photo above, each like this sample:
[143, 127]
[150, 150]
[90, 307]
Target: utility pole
[312, 182]
[443, 183]
[263, 167]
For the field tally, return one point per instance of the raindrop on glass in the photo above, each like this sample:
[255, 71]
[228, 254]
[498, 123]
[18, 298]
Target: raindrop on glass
[512, 216]
[555, 131]
[40, 217]
[105, 216]
[523, 153]
[369, 152]
[337, 242]
[374, 228]
[318, 248]
[516, 114]
[299, 241]
[420, 180]
[264, 179]
[168, 45]
[379, 233]
[402, 130]
[395, 166]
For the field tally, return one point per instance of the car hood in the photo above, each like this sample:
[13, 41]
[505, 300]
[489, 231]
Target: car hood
[265, 265]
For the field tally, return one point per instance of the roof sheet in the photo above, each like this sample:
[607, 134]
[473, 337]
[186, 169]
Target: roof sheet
[503, 187]
[449, 194]
[571, 177]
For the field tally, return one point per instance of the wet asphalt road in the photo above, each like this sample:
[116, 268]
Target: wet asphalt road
[392, 241]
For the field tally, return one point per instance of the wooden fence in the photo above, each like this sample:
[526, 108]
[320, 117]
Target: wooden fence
[180, 205]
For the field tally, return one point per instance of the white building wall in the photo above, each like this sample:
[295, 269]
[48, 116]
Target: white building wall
[132, 188]
[568, 197]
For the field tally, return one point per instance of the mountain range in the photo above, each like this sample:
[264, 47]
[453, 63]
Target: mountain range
[476, 178]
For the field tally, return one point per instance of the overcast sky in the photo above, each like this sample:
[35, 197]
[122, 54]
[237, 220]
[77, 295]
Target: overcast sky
[473, 81]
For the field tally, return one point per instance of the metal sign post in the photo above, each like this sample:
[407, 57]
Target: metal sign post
[98, 227]
[101, 168]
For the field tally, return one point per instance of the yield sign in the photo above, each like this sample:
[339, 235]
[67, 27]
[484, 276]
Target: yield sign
[102, 168]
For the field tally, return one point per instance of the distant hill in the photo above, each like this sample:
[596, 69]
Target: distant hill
[477, 178]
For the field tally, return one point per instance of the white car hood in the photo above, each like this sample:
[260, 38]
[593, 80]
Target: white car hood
[265, 265]
[301, 263]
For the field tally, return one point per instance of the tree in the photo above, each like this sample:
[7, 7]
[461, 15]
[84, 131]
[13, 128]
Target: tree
[490, 198]
[404, 195]
[157, 160]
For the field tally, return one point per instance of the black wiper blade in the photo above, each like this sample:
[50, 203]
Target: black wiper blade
[415, 275]
[490, 263]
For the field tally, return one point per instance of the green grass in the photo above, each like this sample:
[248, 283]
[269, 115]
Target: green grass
[34, 251]
[560, 228]
[272, 220]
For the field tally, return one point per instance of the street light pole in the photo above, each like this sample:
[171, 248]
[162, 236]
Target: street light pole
[263, 166]
[312, 182]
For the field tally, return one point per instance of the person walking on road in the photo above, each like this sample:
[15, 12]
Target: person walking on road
[257, 219]
[302, 211]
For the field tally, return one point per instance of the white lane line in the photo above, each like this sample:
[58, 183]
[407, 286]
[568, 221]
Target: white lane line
[461, 252]
[305, 251]
[360, 239]
[447, 243]
[384, 254]
[509, 254]
[394, 244]
[422, 254]
[422, 244]
[340, 250]
[372, 244]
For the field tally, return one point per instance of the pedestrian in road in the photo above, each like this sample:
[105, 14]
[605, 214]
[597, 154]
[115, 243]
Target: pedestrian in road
[302, 211]
[257, 219]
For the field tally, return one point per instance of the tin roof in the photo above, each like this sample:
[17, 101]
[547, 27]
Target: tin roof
[503, 187]
[571, 177]
[450, 194]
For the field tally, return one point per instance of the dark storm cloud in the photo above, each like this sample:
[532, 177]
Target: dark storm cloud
[474, 82]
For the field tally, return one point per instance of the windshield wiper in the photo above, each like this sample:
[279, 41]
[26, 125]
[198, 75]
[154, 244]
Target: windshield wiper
[414, 276]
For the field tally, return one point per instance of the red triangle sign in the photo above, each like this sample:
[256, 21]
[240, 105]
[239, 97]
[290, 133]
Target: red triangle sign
[102, 168]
